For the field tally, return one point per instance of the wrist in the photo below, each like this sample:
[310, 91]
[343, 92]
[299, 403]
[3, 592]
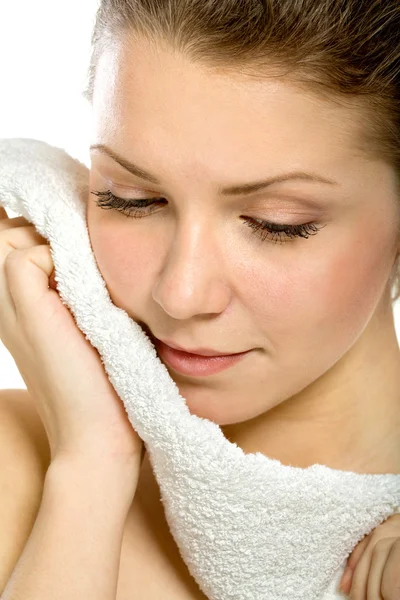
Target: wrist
[114, 481]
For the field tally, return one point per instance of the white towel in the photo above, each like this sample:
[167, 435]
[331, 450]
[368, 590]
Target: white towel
[247, 526]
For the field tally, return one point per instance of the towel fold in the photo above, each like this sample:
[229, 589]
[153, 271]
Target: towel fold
[247, 526]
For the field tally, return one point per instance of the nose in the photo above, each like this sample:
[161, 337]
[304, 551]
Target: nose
[193, 278]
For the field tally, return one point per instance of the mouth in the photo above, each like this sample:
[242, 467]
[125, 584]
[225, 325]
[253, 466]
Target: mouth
[197, 351]
[196, 365]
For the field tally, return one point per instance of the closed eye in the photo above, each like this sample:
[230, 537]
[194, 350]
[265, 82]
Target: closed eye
[136, 208]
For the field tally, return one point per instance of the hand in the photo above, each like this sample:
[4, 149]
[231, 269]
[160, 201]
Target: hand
[375, 564]
[81, 412]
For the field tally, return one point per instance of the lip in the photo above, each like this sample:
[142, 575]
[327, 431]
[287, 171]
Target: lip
[194, 364]
[196, 351]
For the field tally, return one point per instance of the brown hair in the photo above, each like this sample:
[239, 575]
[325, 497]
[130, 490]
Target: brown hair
[347, 51]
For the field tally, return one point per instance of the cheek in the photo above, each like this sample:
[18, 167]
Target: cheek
[298, 300]
[125, 262]
[356, 276]
[326, 293]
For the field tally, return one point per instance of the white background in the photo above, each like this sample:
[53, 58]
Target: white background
[44, 55]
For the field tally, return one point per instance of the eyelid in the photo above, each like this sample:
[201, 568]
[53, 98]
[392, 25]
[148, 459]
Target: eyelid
[130, 189]
[312, 209]
[292, 204]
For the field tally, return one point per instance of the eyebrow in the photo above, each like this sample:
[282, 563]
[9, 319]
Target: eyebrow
[234, 190]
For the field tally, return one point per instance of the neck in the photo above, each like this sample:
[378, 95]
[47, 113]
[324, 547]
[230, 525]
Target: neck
[348, 419]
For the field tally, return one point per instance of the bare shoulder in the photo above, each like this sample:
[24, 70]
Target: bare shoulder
[24, 459]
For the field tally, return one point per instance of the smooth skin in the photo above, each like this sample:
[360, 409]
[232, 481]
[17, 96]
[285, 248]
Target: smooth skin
[63, 372]
[95, 453]
[374, 565]
[316, 312]
[373, 568]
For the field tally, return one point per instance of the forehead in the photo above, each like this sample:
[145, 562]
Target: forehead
[150, 95]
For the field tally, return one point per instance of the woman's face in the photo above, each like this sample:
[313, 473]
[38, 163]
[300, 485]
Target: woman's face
[192, 269]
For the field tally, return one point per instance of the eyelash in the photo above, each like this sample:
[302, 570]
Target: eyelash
[108, 201]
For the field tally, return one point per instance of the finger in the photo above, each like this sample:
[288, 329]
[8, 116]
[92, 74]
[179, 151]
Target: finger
[28, 272]
[359, 582]
[391, 526]
[19, 237]
[358, 551]
[52, 281]
[17, 224]
[8, 223]
[377, 568]
[346, 581]
[18, 233]
[390, 586]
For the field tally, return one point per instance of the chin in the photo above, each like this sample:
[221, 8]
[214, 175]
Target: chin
[213, 405]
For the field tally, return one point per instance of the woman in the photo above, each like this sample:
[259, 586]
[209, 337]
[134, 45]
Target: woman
[244, 199]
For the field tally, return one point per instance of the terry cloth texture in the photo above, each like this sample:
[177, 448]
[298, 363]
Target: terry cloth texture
[247, 526]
